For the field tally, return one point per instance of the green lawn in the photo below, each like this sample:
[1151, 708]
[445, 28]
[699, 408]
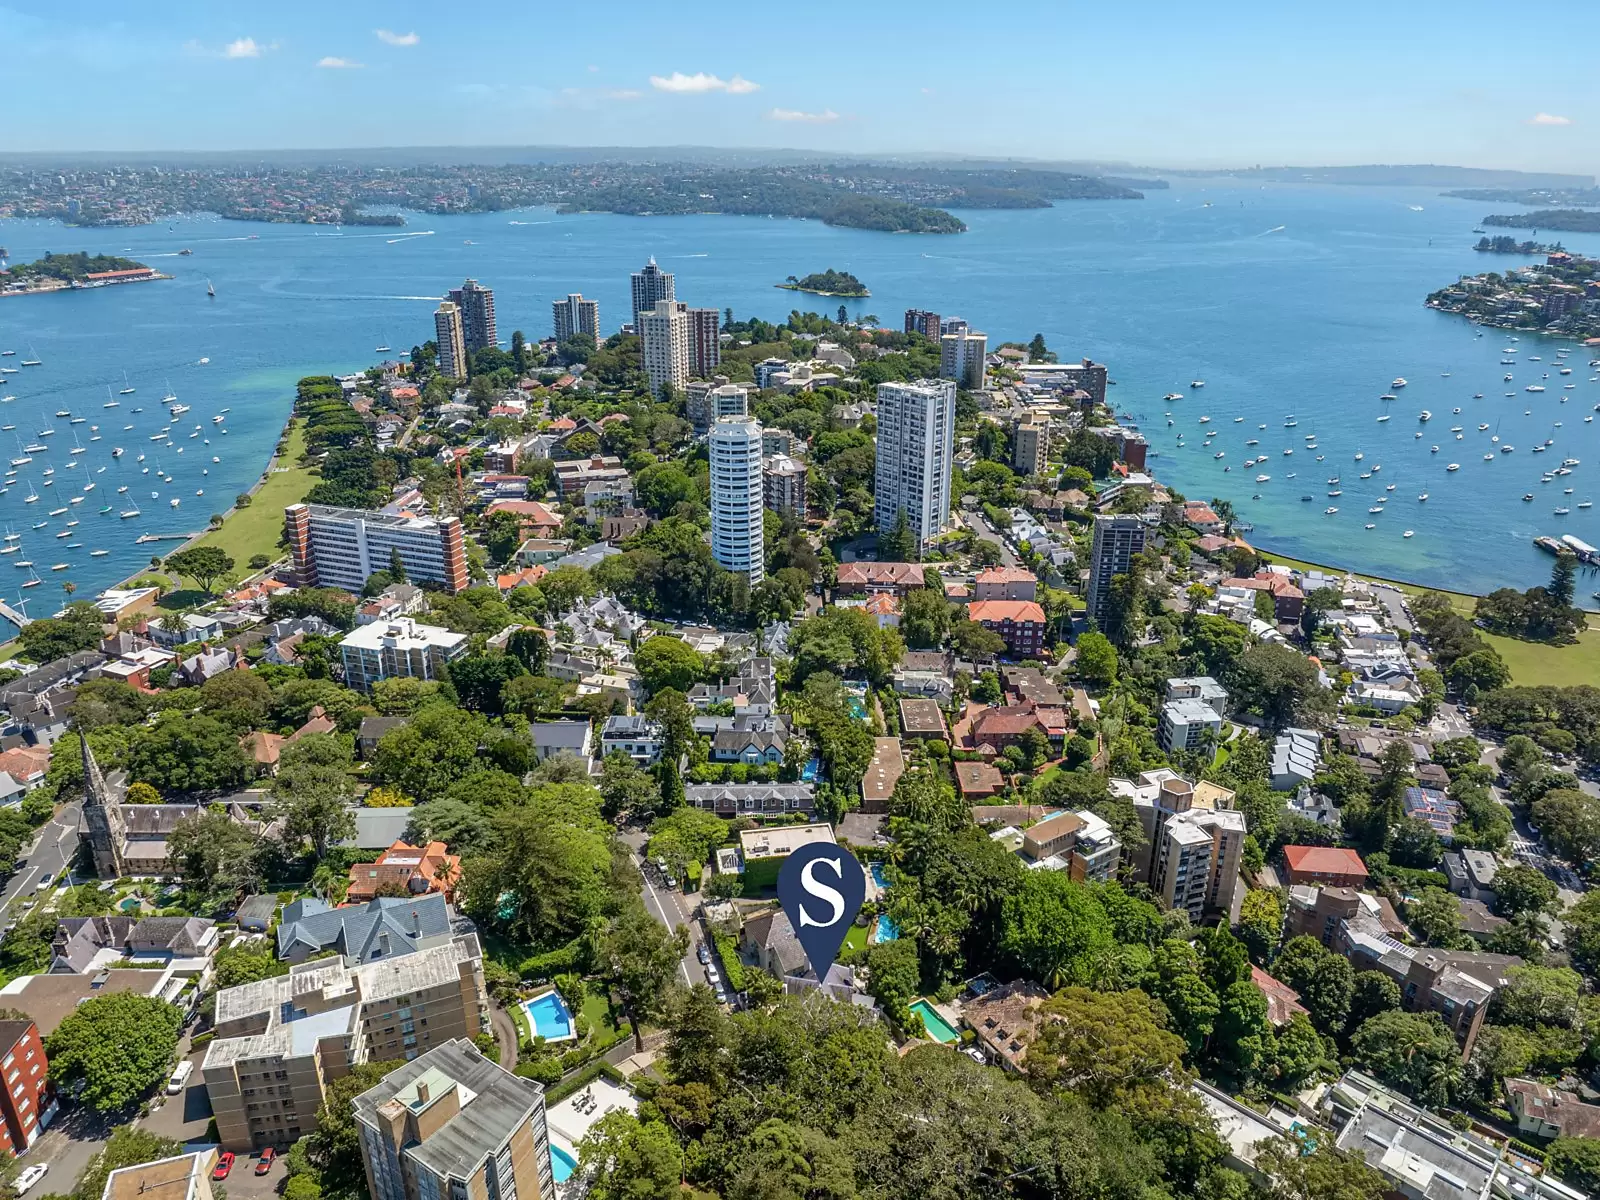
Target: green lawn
[255, 530]
[597, 1008]
[856, 939]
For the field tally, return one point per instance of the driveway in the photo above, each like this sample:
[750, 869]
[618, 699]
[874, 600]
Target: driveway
[982, 529]
[74, 1137]
[183, 1117]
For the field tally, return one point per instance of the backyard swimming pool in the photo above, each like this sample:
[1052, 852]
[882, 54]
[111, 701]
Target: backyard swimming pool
[888, 931]
[562, 1164]
[878, 876]
[549, 1018]
[936, 1026]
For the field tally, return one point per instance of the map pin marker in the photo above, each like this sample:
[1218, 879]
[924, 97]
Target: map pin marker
[821, 887]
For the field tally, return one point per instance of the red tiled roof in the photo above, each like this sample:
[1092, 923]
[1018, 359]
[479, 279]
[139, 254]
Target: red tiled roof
[896, 574]
[1018, 612]
[1282, 1000]
[1015, 719]
[563, 424]
[1324, 860]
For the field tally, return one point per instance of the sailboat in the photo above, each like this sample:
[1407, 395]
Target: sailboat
[127, 388]
[211, 291]
[171, 395]
[111, 401]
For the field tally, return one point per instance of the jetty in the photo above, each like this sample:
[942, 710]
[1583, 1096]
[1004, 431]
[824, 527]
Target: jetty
[19, 619]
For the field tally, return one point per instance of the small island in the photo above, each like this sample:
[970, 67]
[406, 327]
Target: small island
[828, 283]
[59, 272]
[1510, 245]
[1547, 297]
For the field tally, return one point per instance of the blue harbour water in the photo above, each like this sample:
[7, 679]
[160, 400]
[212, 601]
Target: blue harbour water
[1283, 299]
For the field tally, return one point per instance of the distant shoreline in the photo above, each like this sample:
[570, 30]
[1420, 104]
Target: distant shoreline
[47, 286]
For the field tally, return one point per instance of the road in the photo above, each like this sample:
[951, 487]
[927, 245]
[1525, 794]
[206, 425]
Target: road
[55, 848]
[669, 906]
[981, 528]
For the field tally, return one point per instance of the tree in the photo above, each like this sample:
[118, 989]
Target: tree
[1280, 684]
[627, 790]
[214, 854]
[247, 963]
[1539, 997]
[1102, 1045]
[1563, 579]
[102, 702]
[1414, 844]
[898, 543]
[669, 662]
[184, 753]
[334, 1148]
[49, 638]
[1298, 1052]
[1054, 928]
[203, 564]
[1373, 993]
[1577, 1161]
[1324, 980]
[895, 976]
[480, 678]
[641, 958]
[622, 1158]
[925, 618]
[1323, 1174]
[438, 746]
[1244, 1037]
[1415, 1052]
[313, 791]
[780, 1161]
[1097, 659]
[1521, 888]
[1261, 922]
[116, 1047]
[973, 642]
[1569, 819]
[1437, 917]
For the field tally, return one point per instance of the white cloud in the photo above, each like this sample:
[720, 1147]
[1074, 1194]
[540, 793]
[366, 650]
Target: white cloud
[1548, 119]
[333, 62]
[702, 82]
[245, 47]
[389, 38]
[824, 117]
[927, 91]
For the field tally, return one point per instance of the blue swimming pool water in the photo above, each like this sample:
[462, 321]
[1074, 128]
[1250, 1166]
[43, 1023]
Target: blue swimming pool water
[562, 1164]
[888, 931]
[858, 710]
[878, 876]
[549, 1017]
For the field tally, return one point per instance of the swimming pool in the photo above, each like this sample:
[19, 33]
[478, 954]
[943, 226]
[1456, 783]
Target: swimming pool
[562, 1164]
[549, 1018]
[888, 931]
[878, 876]
[936, 1026]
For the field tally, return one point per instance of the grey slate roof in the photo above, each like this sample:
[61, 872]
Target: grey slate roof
[356, 931]
[501, 1102]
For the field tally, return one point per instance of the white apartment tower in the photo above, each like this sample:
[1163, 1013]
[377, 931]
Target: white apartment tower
[576, 315]
[664, 330]
[916, 444]
[450, 337]
[651, 286]
[737, 496]
[1116, 540]
[961, 358]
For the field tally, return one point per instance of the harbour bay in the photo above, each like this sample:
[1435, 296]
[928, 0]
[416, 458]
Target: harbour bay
[1283, 300]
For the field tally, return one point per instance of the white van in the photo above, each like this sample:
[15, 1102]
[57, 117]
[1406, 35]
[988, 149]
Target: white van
[180, 1077]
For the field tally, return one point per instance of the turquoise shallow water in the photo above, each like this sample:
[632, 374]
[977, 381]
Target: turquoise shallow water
[1285, 300]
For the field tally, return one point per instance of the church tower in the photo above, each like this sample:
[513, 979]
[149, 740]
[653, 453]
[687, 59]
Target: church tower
[102, 818]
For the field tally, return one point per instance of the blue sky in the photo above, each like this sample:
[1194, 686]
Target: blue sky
[1158, 82]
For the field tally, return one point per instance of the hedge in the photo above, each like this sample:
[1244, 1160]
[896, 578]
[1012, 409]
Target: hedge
[567, 1087]
[728, 953]
[560, 961]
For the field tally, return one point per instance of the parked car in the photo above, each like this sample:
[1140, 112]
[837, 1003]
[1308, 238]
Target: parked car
[45, 881]
[704, 953]
[31, 1176]
[264, 1163]
[180, 1077]
[224, 1165]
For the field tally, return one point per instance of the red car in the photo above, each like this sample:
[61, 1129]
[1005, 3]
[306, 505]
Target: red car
[224, 1165]
[264, 1164]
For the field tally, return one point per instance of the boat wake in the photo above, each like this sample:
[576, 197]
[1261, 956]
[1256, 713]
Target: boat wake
[1274, 229]
[406, 237]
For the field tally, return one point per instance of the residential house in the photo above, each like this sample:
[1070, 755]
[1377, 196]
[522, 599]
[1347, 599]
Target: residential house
[383, 927]
[1021, 623]
[753, 740]
[256, 914]
[921, 720]
[1079, 843]
[372, 731]
[405, 870]
[978, 780]
[208, 664]
[1283, 1002]
[1005, 1021]
[87, 945]
[757, 800]
[882, 774]
[925, 673]
[769, 940]
[862, 578]
[1334, 866]
[556, 737]
[1471, 874]
[1547, 1112]
[638, 737]
[1005, 583]
[1296, 759]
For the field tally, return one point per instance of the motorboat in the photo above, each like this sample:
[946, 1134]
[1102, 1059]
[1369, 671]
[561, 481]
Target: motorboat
[1453, 467]
[1329, 511]
[1425, 415]
[1398, 383]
